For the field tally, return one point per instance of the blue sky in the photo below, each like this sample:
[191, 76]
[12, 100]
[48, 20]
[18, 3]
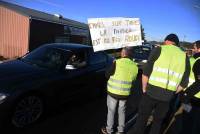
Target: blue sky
[158, 17]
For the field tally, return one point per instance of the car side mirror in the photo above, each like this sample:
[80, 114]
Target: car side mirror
[69, 67]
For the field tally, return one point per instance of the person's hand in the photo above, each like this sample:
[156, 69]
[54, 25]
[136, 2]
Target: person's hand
[179, 89]
[144, 91]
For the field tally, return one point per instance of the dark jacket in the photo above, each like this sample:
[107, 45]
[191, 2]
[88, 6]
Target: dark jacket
[188, 94]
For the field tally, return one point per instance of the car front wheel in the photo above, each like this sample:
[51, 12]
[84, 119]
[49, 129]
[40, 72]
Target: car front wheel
[27, 111]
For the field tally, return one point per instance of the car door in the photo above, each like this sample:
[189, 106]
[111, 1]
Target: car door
[75, 81]
[97, 63]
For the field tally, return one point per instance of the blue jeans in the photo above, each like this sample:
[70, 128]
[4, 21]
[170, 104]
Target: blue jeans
[112, 104]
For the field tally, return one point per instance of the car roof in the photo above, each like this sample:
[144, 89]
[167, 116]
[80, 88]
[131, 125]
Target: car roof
[69, 46]
[141, 46]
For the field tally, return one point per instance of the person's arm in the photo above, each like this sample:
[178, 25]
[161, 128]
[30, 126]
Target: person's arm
[185, 79]
[145, 80]
[195, 87]
[148, 67]
[82, 64]
[196, 70]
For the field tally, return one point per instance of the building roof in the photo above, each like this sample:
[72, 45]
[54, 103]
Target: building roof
[38, 15]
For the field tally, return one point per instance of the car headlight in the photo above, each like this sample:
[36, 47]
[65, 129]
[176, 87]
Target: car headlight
[3, 97]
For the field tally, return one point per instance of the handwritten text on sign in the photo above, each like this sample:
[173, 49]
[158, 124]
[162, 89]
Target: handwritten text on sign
[111, 33]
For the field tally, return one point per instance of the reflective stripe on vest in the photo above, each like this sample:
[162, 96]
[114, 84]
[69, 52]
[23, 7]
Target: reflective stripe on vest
[168, 69]
[121, 82]
[118, 88]
[164, 81]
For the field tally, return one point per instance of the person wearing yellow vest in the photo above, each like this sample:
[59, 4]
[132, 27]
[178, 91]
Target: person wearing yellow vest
[122, 74]
[192, 95]
[166, 72]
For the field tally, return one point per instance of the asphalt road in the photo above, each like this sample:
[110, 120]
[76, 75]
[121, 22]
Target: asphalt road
[84, 116]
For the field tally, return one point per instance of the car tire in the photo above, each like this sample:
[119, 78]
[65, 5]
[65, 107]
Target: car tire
[27, 111]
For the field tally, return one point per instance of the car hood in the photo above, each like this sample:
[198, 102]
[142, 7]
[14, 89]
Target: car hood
[15, 72]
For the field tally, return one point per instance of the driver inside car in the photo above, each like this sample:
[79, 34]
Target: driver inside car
[76, 61]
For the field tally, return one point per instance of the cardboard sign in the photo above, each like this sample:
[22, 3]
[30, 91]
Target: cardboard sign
[113, 33]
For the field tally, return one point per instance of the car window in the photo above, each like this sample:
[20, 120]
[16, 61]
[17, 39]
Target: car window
[77, 59]
[47, 57]
[141, 52]
[97, 58]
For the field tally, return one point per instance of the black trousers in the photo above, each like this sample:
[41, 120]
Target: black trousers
[191, 121]
[147, 105]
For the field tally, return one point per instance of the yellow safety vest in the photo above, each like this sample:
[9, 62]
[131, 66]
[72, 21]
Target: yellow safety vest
[121, 81]
[169, 68]
[192, 78]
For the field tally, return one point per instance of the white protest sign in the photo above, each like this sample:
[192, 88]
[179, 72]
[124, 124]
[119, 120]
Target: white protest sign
[112, 33]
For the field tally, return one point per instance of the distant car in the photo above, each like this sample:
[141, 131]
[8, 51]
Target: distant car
[141, 54]
[48, 76]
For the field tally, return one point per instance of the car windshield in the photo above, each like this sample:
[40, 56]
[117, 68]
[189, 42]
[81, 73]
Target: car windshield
[141, 52]
[48, 57]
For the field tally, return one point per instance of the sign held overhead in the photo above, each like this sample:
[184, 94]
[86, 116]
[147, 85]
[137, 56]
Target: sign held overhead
[113, 33]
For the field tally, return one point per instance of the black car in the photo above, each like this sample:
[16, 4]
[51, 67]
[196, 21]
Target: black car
[52, 74]
[141, 54]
